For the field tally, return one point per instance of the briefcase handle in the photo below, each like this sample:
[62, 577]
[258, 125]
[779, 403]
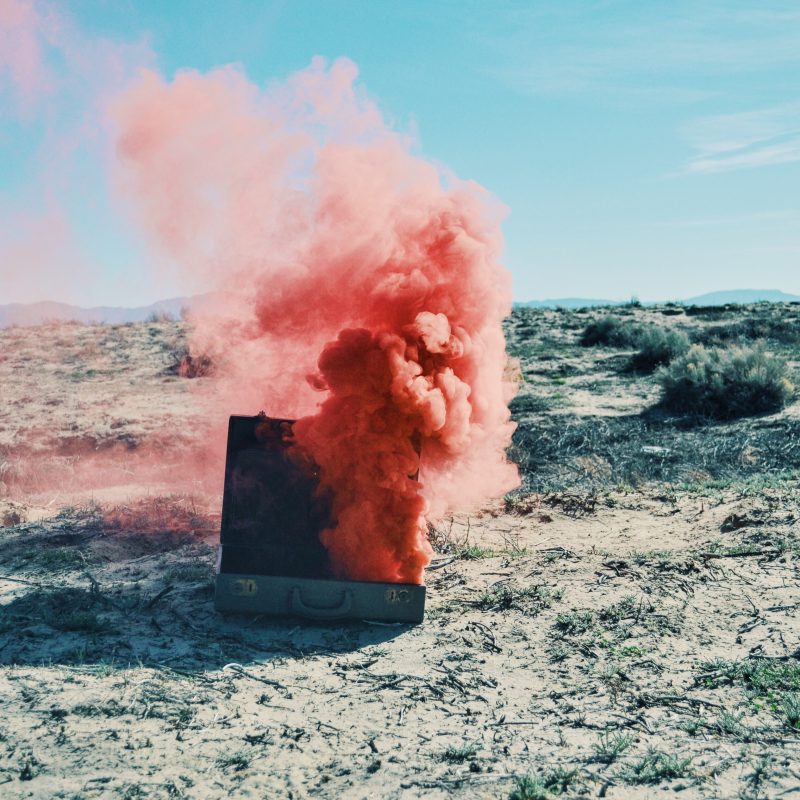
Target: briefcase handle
[301, 609]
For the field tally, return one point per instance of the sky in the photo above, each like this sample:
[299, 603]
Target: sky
[642, 149]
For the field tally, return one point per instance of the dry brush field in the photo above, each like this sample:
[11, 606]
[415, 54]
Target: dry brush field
[626, 625]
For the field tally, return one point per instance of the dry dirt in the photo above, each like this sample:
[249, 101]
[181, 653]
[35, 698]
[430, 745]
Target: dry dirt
[626, 626]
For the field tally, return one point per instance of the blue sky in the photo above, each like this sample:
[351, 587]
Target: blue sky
[648, 149]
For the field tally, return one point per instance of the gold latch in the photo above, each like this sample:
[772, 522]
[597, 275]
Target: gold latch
[398, 596]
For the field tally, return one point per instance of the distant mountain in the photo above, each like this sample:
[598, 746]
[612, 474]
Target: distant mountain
[29, 314]
[569, 302]
[742, 296]
[730, 297]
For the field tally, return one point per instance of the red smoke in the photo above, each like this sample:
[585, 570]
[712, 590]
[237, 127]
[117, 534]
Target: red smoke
[363, 293]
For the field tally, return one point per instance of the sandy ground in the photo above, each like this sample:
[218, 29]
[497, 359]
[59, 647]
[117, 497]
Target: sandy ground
[625, 643]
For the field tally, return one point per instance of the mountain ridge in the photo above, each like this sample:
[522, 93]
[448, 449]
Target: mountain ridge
[32, 314]
[723, 297]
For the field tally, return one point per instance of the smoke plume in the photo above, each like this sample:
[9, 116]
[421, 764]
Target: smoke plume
[360, 292]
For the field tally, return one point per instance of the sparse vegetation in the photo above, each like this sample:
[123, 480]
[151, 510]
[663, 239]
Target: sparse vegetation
[611, 745]
[531, 599]
[655, 767]
[729, 724]
[237, 761]
[552, 783]
[458, 754]
[762, 676]
[760, 775]
[575, 622]
[473, 552]
[790, 704]
[529, 787]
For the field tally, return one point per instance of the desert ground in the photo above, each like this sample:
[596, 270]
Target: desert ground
[625, 625]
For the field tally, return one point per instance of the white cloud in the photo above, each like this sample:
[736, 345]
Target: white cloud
[746, 140]
[628, 51]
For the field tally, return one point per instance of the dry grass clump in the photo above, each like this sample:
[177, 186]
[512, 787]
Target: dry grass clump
[726, 384]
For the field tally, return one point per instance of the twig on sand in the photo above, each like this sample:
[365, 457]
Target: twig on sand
[607, 784]
[667, 699]
[441, 563]
[433, 783]
[155, 598]
[564, 552]
[242, 671]
[490, 641]
[94, 584]
[742, 554]
[27, 583]
[783, 608]
[632, 722]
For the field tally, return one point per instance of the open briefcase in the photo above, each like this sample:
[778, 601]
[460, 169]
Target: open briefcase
[271, 560]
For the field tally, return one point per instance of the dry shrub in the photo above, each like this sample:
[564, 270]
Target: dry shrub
[523, 505]
[187, 365]
[12, 514]
[657, 346]
[726, 384]
[608, 331]
[775, 327]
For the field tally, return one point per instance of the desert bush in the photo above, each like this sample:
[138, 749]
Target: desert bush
[657, 346]
[709, 312]
[160, 316]
[725, 384]
[610, 331]
[672, 310]
[776, 328]
[187, 365]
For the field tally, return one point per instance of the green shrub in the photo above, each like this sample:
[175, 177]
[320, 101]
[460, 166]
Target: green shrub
[609, 331]
[657, 346]
[725, 384]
